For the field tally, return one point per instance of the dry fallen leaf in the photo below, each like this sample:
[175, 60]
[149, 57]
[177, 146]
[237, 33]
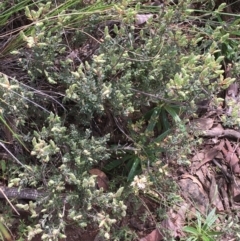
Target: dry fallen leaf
[175, 221]
[191, 190]
[209, 155]
[201, 177]
[195, 180]
[231, 157]
[214, 195]
[102, 179]
[223, 189]
[201, 124]
[155, 235]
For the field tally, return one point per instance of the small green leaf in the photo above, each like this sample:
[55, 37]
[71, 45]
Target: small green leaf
[214, 233]
[162, 136]
[133, 170]
[164, 120]
[211, 218]
[113, 164]
[119, 192]
[205, 238]
[153, 120]
[221, 7]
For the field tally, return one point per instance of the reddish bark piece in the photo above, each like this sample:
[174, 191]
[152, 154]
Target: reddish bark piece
[155, 235]
[102, 179]
[237, 150]
[173, 223]
[229, 146]
[236, 190]
[220, 146]
[231, 158]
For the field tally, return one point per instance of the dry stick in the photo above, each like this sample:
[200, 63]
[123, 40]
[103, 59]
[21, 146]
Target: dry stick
[118, 125]
[9, 201]
[222, 169]
[11, 155]
[36, 91]
[220, 133]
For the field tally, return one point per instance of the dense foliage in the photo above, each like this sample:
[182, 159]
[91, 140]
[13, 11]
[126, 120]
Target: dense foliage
[106, 85]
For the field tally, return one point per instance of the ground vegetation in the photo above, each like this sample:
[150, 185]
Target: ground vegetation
[119, 120]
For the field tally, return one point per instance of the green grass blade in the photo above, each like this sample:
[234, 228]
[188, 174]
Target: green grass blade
[199, 222]
[191, 230]
[133, 170]
[173, 112]
[13, 133]
[117, 162]
[164, 120]
[16, 7]
[5, 232]
[210, 220]
[153, 120]
[205, 238]
[162, 136]
[113, 164]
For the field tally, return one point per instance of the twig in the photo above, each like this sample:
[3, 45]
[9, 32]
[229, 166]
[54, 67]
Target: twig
[5, 148]
[9, 202]
[119, 127]
[220, 133]
[222, 169]
[157, 97]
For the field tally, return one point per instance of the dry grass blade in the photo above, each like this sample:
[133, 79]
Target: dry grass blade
[9, 152]
[9, 201]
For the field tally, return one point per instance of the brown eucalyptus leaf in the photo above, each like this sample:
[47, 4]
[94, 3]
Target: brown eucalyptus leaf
[224, 193]
[175, 221]
[206, 174]
[201, 177]
[102, 179]
[208, 156]
[220, 146]
[231, 158]
[214, 195]
[201, 124]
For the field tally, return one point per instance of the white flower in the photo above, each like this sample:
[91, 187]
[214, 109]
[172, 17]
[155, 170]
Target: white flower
[139, 182]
